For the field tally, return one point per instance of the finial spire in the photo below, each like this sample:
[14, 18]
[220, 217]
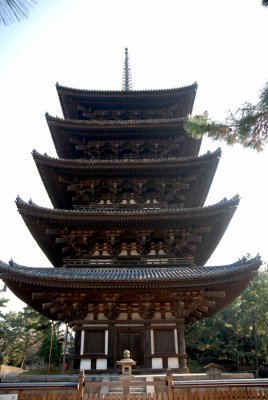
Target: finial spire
[127, 80]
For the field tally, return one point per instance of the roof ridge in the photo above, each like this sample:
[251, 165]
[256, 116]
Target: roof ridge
[208, 154]
[140, 91]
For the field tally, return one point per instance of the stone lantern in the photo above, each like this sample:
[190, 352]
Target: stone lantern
[126, 363]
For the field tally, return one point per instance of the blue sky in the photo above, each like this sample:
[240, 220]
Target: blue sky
[172, 43]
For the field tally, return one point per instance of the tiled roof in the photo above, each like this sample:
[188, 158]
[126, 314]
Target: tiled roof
[124, 93]
[113, 163]
[72, 100]
[62, 130]
[181, 276]
[86, 124]
[33, 209]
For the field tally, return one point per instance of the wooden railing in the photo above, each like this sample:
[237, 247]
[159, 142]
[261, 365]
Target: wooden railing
[221, 389]
[163, 387]
[42, 391]
[130, 396]
[134, 260]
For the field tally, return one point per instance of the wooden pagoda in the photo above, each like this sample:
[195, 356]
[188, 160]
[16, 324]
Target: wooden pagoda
[128, 235]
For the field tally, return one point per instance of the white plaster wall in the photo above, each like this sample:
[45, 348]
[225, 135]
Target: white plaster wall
[85, 363]
[101, 363]
[173, 362]
[157, 363]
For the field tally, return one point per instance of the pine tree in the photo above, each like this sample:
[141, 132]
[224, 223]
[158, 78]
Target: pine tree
[248, 126]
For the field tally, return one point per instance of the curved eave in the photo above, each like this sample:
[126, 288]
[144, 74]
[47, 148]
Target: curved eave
[181, 277]
[106, 127]
[65, 133]
[155, 99]
[216, 217]
[51, 169]
[233, 278]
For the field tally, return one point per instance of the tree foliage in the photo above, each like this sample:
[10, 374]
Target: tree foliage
[21, 333]
[238, 333]
[29, 339]
[248, 126]
[51, 345]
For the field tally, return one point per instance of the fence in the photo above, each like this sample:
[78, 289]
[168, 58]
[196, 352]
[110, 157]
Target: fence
[40, 391]
[142, 388]
[231, 389]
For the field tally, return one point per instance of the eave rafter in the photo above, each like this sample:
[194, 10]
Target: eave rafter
[188, 305]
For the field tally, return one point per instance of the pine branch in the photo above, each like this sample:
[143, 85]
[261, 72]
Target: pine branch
[248, 126]
[14, 10]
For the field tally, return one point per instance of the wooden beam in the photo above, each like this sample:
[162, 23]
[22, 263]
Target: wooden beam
[189, 178]
[182, 185]
[61, 240]
[209, 303]
[55, 309]
[190, 247]
[197, 314]
[62, 315]
[75, 187]
[202, 308]
[43, 295]
[180, 197]
[46, 306]
[62, 179]
[220, 294]
[75, 140]
[37, 296]
[83, 108]
[202, 229]
[81, 147]
[195, 238]
[52, 231]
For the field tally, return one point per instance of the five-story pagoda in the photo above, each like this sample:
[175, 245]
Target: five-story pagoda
[128, 235]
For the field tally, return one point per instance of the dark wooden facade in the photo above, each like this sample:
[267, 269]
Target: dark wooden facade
[128, 234]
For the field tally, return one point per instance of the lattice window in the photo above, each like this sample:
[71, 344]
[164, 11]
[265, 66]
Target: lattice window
[164, 341]
[94, 342]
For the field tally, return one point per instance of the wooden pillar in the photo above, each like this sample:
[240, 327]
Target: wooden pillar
[82, 344]
[81, 383]
[182, 351]
[169, 384]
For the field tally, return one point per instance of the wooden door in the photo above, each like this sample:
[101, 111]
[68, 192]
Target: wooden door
[132, 341]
